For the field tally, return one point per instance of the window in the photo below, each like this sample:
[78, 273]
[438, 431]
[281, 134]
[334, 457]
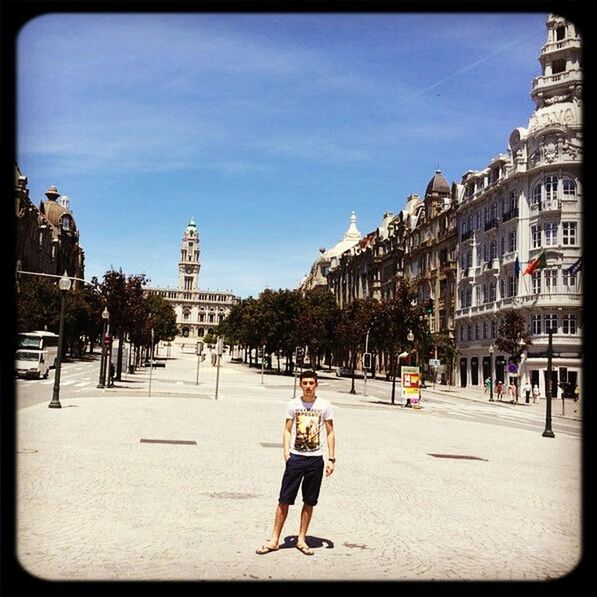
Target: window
[477, 332]
[558, 66]
[550, 231]
[478, 220]
[492, 291]
[568, 280]
[512, 283]
[485, 293]
[535, 324]
[535, 236]
[469, 332]
[469, 258]
[502, 290]
[493, 249]
[484, 330]
[65, 224]
[469, 296]
[568, 188]
[494, 329]
[536, 282]
[502, 245]
[478, 295]
[478, 254]
[551, 187]
[513, 201]
[536, 200]
[551, 322]
[512, 241]
[551, 280]
[494, 211]
[569, 323]
[569, 233]
[560, 33]
[461, 329]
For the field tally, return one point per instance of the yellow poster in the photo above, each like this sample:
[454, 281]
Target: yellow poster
[410, 384]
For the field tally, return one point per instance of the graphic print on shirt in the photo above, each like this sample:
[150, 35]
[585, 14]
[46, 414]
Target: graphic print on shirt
[308, 427]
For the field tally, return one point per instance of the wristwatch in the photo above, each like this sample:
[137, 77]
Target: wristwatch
[332, 460]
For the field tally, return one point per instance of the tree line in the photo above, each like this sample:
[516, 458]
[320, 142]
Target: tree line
[281, 320]
[132, 314]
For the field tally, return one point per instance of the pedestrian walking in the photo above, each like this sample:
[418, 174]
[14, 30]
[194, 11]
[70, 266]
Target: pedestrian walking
[535, 393]
[576, 393]
[527, 392]
[499, 389]
[487, 386]
[306, 419]
[512, 391]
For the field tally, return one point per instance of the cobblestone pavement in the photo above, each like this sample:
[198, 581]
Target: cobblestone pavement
[96, 503]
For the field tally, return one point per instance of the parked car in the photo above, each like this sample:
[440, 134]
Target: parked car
[347, 372]
[32, 363]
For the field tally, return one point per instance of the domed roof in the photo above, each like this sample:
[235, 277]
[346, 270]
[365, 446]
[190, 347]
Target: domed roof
[351, 237]
[54, 213]
[438, 184]
[191, 228]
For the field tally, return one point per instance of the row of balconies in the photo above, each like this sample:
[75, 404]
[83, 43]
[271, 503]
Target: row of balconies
[553, 300]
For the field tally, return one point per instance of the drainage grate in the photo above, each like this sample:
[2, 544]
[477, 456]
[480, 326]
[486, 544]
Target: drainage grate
[170, 441]
[269, 445]
[457, 456]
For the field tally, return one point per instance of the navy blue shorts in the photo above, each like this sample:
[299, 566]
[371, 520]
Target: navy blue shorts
[309, 470]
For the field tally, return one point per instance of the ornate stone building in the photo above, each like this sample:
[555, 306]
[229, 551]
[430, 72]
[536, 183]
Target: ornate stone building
[47, 238]
[525, 203]
[197, 311]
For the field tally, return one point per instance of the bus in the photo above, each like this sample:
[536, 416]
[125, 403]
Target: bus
[40, 340]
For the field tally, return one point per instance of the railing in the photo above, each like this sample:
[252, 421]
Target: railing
[544, 80]
[508, 215]
[491, 224]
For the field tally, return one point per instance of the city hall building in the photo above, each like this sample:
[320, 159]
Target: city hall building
[197, 311]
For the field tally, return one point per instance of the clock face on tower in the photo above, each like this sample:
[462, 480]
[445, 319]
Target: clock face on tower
[189, 269]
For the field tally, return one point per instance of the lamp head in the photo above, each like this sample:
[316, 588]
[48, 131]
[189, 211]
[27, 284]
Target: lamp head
[491, 349]
[64, 283]
[105, 313]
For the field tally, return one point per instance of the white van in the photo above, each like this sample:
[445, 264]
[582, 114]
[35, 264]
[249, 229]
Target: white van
[32, 363]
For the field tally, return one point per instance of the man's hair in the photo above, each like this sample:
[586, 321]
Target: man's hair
[308, 373]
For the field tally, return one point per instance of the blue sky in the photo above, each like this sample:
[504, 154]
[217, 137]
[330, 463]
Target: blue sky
[267, 129]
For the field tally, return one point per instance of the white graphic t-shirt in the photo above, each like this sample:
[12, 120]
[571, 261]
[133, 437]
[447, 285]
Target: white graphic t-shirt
[308, 418]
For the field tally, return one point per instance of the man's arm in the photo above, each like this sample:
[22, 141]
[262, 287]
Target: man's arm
[329, 427]
[286, 438]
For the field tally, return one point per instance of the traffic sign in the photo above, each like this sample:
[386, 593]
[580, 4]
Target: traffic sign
[434, 362]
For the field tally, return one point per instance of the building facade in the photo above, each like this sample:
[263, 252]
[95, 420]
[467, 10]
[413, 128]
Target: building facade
[47, 237]
[524, 205]
[197, 311]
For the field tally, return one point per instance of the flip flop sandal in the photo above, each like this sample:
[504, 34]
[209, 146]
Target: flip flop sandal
[265, 549]
[305, 549]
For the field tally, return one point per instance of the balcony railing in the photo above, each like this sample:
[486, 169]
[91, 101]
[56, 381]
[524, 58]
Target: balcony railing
[508, 215]
[571, 75]
[490, 224]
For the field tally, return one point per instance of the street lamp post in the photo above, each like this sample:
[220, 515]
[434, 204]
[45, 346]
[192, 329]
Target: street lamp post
[365, 368]
[102, 373]
[64, 284]
[548, 431]
[491, 373]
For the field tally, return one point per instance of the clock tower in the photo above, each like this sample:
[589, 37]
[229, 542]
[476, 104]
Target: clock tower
[188, 266]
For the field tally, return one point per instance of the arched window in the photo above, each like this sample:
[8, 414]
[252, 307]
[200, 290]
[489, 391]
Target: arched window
[551, 187]
[568, 188]
[536, 194]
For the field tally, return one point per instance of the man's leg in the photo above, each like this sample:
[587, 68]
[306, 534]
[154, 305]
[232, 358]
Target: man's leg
[279, 520]
[306, 514]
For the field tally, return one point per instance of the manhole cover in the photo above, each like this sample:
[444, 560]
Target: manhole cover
[187, 442]
[457, 456]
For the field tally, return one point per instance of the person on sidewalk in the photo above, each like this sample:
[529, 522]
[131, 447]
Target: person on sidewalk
[499, 388]
[487, 386]
[527, 392]
[306, 418]
[536, 393]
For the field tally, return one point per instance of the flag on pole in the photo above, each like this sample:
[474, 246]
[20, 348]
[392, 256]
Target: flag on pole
[575, 267]
[538, 263]
[517, 267]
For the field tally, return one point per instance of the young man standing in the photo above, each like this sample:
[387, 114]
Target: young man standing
[303, 452]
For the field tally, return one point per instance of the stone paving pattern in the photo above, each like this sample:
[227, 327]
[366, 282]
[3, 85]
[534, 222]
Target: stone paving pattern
[94, 503]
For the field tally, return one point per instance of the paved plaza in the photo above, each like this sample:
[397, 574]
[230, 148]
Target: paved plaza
[415, 496]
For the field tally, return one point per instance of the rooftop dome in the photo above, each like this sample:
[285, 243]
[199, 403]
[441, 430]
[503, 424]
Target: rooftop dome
[351, 237]
[191, 228]
[438, 184]
[54, 213]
